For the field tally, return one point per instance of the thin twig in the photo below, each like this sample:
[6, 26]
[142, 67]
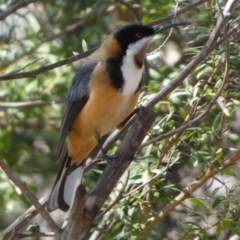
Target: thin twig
[169, 34]
[151, 179]
[178, 13]
[40, 234]
[187, 124]
[34, 73]
[24, 219]
[37, 103]
[225, 81]
[15, 7]
[22, 186]
[29, 64]
[132, 8]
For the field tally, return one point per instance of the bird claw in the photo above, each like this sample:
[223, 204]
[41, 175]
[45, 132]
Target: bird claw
[110, 159]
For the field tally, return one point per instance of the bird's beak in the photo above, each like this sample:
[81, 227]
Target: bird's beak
[163, 28]
[142, 49]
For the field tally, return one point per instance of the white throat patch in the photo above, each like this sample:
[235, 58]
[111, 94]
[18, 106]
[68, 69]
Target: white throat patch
[132, 74]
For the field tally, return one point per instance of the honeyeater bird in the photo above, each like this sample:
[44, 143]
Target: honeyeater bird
[102, 95]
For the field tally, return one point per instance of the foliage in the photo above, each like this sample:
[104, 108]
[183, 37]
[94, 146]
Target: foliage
[43, 33]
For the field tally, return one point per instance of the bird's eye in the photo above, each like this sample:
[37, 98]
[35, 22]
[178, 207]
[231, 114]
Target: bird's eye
[139, 35]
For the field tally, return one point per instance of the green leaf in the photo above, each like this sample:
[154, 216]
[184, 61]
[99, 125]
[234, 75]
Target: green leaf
[199, 203]
[84, 46]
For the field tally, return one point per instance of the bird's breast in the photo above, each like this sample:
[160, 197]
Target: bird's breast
[106, 107]
[132, 74]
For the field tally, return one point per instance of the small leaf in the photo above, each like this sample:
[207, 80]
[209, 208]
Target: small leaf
[216, 202]
[198, 203]
[84, 45]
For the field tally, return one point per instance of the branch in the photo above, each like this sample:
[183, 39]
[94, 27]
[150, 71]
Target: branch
[34, 73]
[24, 219]
[15, 7]
[40, 234]
[37, 103]
[22, 186]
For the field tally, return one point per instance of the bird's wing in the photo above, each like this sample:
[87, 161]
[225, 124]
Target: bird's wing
[69, 176]
[77, 98]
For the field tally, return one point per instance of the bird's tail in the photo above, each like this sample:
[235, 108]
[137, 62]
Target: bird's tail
[64, 189]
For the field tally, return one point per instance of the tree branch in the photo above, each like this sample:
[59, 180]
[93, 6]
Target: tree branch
[40, 234]
[178, 13]
[24, 219]
[34, 73]
[37, 103]
[15, 7]
[22, 186]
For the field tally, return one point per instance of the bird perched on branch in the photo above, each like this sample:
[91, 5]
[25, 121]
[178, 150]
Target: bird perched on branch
[102, 95]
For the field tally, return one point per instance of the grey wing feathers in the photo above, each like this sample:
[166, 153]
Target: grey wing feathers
[77, 98]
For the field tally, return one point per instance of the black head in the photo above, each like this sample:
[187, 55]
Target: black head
[131, 34]
[135, 32]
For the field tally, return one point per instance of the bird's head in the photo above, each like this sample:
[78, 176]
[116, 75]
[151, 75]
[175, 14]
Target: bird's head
[135, 39]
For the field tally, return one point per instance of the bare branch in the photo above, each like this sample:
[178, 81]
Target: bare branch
[37, 103]
[29, 64]
[169, 34]
[15, 7]
[40, 234]
[22, 186]
[34, 73]
[24, 219]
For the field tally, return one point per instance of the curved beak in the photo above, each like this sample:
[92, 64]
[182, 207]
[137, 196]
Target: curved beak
[163, 28]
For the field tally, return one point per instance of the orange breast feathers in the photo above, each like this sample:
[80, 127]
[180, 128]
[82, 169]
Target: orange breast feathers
[105, 109]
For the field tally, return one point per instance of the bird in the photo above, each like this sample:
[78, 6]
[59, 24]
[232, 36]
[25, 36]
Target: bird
[102, 95]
